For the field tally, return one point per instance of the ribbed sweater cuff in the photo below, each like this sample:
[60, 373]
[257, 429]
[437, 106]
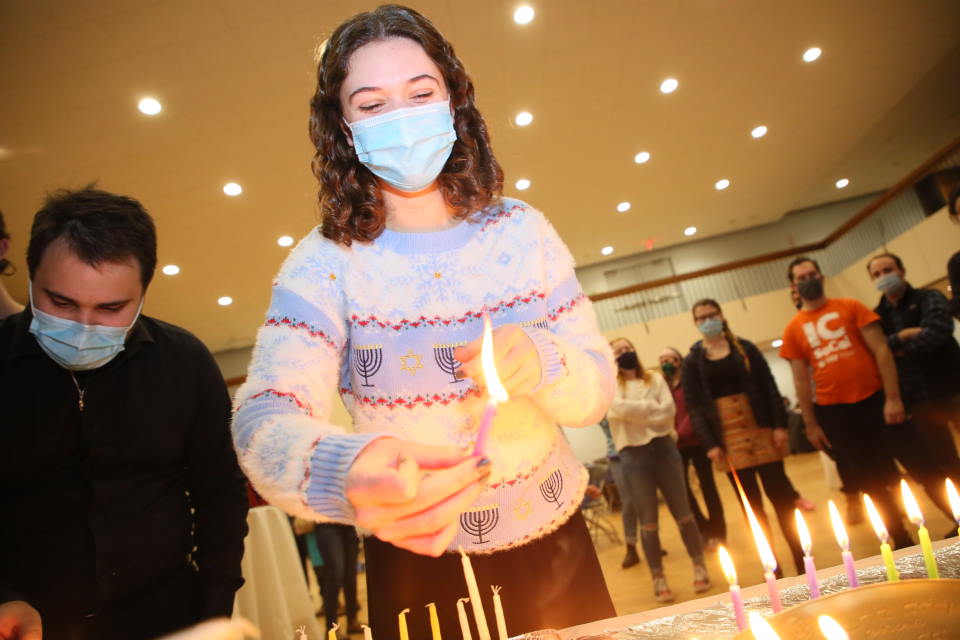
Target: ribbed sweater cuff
[551, 361]
[329, 464]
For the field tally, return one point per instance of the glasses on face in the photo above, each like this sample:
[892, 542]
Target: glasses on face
[706, 315]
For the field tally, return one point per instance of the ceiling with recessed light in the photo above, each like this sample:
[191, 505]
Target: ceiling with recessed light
[233, 79]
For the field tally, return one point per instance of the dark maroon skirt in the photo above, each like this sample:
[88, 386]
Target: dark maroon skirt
[550, 583]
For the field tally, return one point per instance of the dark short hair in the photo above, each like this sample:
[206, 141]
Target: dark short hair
[952, 202]
[801, 260]
[892, 256]
[350, 201]
[98, 227]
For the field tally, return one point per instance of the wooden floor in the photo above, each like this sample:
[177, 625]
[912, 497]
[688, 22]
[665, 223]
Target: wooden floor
[632, 590]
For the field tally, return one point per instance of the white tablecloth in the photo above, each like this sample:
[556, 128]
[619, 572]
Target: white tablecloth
[274, 596]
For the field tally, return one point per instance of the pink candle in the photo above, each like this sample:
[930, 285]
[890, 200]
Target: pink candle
[772, 589]
[489, 413]
[844, 541]
[494, 387]
[807, 545]
[736, 598]
[851, 571]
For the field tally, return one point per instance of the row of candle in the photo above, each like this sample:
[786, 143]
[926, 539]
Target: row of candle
[770, 564]
[483, 630]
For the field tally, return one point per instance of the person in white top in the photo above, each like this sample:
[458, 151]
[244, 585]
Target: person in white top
[641, 422]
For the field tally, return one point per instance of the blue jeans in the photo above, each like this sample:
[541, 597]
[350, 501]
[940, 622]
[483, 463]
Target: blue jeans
[627, 511]
[657, 465]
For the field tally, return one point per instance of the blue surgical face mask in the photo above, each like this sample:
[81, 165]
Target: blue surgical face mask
[890, 283]
[406, 148]
[74, 345]
[711, 327]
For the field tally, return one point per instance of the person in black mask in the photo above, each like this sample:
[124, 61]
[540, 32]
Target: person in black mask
[641, 422]
[858, 413]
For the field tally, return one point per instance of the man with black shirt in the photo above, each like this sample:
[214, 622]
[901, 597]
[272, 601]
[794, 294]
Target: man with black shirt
[124, 509]
[919, 330]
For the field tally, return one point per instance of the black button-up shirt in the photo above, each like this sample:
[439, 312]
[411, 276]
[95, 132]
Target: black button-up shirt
[928, 364]
[98, 504]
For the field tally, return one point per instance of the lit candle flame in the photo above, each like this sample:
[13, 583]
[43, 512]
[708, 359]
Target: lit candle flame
[954, 500]
[490, 377]
[760, 628]
[838, 529]
[831, 629]
[879, 528]
[805, 542]
[910, 504]
[767, 559]
[726, 563]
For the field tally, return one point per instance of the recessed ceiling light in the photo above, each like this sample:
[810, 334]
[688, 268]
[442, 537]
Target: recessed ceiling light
[606, 251]
[842, 182]
[523, 14]
[523, 184]
[641, 157]
[722, 184]
[150, 106]
[811, 54]
[284, 241]
[669, 85]
[623, 206]
[171, 269]
[689, 231]
[232, 189]
[523, 118]
[224, 301]
[777, 343]
[759, 132]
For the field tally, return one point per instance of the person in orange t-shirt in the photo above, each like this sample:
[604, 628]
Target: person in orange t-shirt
[858, 414]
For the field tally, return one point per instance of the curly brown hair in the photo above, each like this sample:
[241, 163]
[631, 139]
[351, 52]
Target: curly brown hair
[351, 204]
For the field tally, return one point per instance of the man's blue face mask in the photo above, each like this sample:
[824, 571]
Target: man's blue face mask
[74, 345]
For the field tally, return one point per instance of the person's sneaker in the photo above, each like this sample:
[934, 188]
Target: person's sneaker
[701, 580]
[661, 591]
[804, 505]
[854, 510]
[631, 558]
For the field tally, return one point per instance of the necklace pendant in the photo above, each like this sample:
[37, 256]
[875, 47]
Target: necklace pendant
[80, 402]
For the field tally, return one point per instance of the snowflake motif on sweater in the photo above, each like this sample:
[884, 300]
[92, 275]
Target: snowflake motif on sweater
[379, 322]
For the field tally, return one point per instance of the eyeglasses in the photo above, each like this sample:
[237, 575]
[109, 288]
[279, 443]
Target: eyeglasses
[706, 316]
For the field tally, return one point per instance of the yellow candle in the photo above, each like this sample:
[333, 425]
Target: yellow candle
[434, 622]
[498, 612]
[464, 621]
[367, 633]
[332, 633]
[402, 619]
[479, 617]
[916, 517]
[881, 530]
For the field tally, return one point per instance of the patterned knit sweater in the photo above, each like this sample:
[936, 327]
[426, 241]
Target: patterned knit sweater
[379, 322]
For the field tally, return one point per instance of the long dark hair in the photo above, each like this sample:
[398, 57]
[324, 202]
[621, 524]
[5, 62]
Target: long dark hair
[4, 263]
[731, 338]
[351, 204]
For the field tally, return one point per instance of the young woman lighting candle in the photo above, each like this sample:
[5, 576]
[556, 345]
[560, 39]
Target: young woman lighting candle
[383, 303]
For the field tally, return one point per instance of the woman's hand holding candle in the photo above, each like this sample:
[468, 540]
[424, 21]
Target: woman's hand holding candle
[515, 355]
[401, 504]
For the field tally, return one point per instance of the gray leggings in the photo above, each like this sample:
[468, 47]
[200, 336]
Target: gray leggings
[657, 465]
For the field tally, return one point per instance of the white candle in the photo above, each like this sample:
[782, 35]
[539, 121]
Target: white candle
[367, 633]
[498, 612]
[464, 622]
[482, 629]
